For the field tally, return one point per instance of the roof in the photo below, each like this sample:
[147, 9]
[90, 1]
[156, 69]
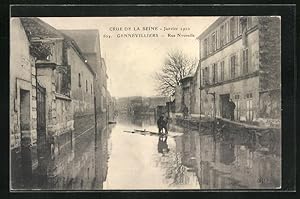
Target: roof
[79, 51]
[35, 28]
[86, 39]
[212, 26]
[187, 78]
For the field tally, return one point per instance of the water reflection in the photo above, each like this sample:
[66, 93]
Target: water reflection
[82, 163]
[162, 146]
[114, 159]
[231, 160]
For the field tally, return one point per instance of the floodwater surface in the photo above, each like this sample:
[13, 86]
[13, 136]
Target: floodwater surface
[130, 155]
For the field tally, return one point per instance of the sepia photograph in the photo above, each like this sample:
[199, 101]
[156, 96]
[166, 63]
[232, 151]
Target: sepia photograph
[145, 103]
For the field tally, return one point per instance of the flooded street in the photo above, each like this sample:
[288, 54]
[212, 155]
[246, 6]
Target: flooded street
[125, 156]
[145, 161]
[187, 160]
[89, 102]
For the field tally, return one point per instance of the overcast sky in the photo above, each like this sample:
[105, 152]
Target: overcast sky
[131, 62]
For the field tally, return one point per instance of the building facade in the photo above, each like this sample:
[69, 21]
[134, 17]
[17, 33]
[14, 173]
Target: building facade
[51, 97]
[23, 103]
[88, 41]
[240, 60]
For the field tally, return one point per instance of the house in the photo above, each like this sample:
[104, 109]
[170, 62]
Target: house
[52, 92]
[23, 105]
[88, 41]
[240, 60]
[185, 95]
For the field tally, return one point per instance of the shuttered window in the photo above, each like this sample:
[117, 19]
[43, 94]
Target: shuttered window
[233, 66]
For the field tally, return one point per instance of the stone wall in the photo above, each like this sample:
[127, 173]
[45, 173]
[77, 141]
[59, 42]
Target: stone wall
[270, 66]
[270, 52]
[59, 119]
[22, 78]
[269, 104]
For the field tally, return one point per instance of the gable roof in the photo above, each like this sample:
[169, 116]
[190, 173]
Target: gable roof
[35, 28]
[86, 39]
[75, 46]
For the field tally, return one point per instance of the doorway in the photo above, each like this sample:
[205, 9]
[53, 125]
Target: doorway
[26, 159]
[224, 99]
[41, 134]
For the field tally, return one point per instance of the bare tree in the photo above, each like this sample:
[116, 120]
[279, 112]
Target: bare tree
[177, 65]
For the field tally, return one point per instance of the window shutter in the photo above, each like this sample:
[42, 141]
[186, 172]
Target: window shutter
[218, 38]
[216, 71]
[229, 67]
[250, 66]
[208, 75]
[241, 62]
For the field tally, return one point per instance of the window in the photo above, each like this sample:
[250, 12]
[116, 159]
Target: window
[226, 33]
[249, 107]
[249, 22]
[79, 80]
[245, 61]
[222, 71]
[206, 75]
[222, 35]
[213, 42]
[232, 66]
[237, 107]
[233, 28]
[86, 86]
[205, 47]
[63, 79]
[59, 79]
[215, 74]
[240, 25]
[91, 88]
[202, 77]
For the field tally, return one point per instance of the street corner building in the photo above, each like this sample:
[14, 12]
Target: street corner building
[57, 85]
[239, 59]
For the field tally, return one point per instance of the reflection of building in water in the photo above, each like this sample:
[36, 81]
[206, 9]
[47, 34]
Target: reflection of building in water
[235, 162]
[189, 149]
[101, 157]
[142, 121]
[225, 152]
[85, 167]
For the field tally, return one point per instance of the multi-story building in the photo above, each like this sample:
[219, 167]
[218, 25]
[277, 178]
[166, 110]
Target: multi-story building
[240, 60]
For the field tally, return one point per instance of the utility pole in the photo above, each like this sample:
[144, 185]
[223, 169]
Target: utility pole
[199, 66]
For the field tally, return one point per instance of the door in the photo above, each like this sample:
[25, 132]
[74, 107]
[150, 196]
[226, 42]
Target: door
[41, 130]
[25, 121]
[249, 108]
[224, 99]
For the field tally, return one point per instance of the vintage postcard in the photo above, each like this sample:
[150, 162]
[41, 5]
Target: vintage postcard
[145, 103]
